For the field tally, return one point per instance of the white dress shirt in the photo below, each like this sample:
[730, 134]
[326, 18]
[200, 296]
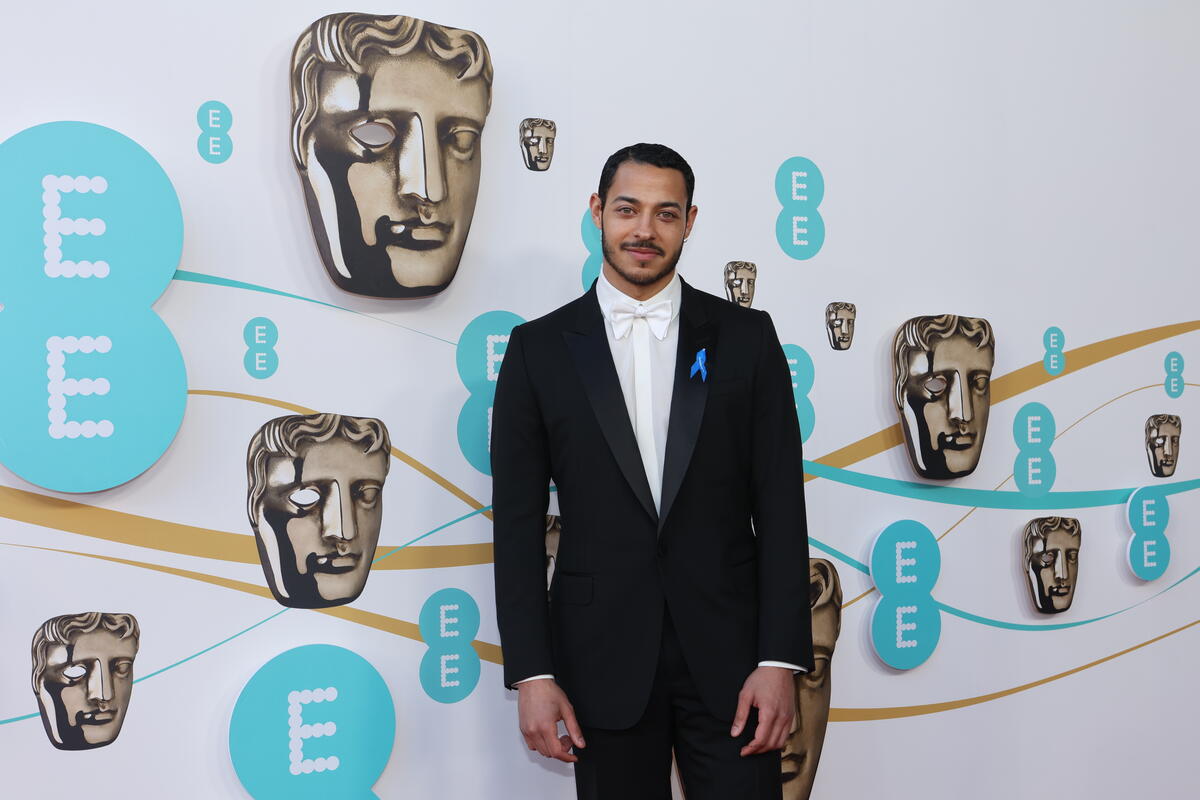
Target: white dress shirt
[630, 345]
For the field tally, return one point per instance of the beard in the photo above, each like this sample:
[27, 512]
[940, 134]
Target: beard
[638, 280]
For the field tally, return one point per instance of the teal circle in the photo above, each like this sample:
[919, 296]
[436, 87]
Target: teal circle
[472, 431]
[1054, 362]
[260, 364]
[788, 194]
[218, 154]
[1173, 363]
[1148, 511]
[590, 235]
[1149, 556]
[1173, 385]
[260, 731]
[897, 645]
[905, 539]
[222, 117]
[800, 246]
[260, 327]
[803, 376]
[1034, 472]
[1034, 420]
[449, 670]
[1054, 332]
[478, 369]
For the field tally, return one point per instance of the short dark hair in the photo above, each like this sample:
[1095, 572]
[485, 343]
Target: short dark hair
[656, 155]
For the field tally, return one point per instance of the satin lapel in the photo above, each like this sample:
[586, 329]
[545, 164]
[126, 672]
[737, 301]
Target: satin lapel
[696, 332]
[594, 363]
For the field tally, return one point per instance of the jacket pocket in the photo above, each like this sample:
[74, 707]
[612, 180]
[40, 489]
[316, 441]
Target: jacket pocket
[572, 589]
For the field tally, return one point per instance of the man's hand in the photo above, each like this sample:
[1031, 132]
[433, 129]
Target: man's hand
[772, 690]
[540, 706]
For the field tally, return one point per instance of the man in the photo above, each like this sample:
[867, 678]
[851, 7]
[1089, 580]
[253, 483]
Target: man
[942, 368]
[676, 616]
[1052, 561]
[315, 500]
[83, 677]
[386, 118]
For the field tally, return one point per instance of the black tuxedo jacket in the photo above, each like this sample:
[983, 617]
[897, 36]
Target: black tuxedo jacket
[728, 555]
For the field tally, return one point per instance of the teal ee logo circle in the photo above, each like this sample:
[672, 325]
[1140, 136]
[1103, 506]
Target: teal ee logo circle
[479, 356]
[800, 188]
[1174, 382]
[449, 622]
[591, 240]
[215, 119]
[1148, 513]
[1055, 360]
[1034, 469]
[315, 722]
[906, 624]
[260, 336]
[804, 374]
[94, 383]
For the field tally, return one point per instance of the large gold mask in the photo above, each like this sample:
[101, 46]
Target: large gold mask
[387, 114]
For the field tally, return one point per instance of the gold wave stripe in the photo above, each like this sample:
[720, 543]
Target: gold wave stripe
[897, 712]
[188, 540]
[399, 454]
[1014, 383]
[487, 651]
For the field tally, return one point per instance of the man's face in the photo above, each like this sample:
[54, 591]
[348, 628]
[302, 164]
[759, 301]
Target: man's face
[1162, 445]
[947, 398]
[643, 222]
[537, 145]
[393, 173]
[1054, 569]
[84, 692]
[739, 283]
[802, 752]
[324, 510]
[840, 325]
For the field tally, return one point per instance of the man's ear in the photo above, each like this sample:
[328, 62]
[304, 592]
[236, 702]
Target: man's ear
[597, 207]
[691, 220]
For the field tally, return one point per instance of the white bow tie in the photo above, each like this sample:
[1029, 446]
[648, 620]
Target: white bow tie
[657, 316]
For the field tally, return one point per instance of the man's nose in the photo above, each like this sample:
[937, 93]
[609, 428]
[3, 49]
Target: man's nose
[99, 683]
[960, 401]
[337, 517]
[419, 164]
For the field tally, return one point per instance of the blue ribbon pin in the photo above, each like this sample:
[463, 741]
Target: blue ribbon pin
[701, 357]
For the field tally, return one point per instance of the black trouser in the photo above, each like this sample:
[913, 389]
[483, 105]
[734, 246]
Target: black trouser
[635, 764]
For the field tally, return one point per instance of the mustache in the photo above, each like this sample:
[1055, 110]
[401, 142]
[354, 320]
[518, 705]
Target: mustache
[642, 245]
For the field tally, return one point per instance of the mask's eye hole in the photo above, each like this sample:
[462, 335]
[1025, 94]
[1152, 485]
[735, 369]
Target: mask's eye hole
[935, 384]
[305, 497]
[75, 672]
[373, 134]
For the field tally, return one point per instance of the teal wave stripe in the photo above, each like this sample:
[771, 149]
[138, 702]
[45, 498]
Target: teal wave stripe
[227, 639]
[230, 283]
[984, 498]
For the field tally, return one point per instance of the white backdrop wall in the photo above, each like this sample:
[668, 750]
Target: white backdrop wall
[1032, 163]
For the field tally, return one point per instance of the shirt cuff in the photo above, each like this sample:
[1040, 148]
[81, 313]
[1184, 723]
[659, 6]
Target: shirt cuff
[794, 668]
[533, 678]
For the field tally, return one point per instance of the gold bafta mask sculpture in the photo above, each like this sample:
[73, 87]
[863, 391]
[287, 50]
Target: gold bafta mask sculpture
[942, 369]
[1052, 561]
[804, 744]
[537, 142]
[83, 677]
[553, 534]
[839, 324]
[1162, 443]
[387, 114]
[739, 282]
[315, 500]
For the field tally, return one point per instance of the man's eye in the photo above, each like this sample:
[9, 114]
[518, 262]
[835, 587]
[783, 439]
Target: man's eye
[74, 672]
[373, 134]
[935, 384]
[305, 498]
[669, 216]
[462, 141]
